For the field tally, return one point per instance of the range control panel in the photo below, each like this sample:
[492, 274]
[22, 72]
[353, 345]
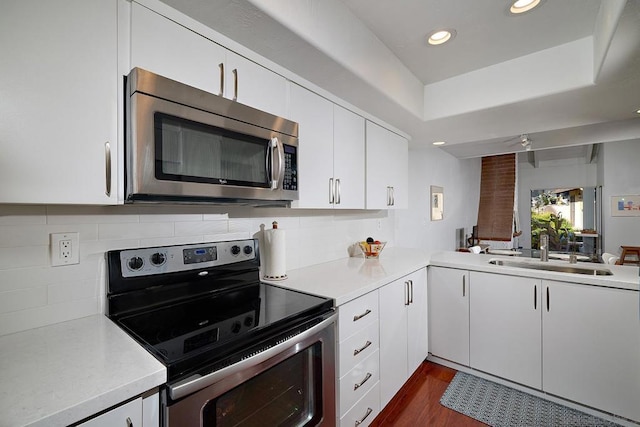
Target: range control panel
[170, 259]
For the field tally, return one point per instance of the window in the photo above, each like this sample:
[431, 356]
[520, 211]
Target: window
[497, 190]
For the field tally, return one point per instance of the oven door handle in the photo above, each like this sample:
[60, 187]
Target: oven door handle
[197, 382]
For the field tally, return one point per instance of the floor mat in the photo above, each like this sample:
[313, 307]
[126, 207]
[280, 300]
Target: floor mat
[501, 406]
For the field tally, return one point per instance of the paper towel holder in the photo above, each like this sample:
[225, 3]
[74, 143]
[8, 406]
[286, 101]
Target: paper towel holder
[269, 253]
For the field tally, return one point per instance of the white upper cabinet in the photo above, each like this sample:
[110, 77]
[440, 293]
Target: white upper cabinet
[331, 152]
[387, 176]
[165, 47]
[58, 108]
[348, 159]
[252, 84]
[314, 114]
[171, 50]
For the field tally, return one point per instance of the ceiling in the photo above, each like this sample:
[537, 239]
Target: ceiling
[566, 73]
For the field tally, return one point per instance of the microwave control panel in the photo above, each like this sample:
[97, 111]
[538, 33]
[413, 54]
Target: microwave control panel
[290, 181]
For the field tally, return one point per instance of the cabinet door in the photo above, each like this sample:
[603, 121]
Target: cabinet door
[417, 327]
[377, 166]
[314, 114]
[398, 156]
[393, 339]
[254, 85]
[348, 158]
[448, 291]
[58, 108]
[171, 50]
[591, 346]
[124, 415]
[506, 327]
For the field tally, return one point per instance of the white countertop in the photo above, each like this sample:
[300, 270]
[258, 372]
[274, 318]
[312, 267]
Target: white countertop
[349, 278]
[624, 276]
[60, 374]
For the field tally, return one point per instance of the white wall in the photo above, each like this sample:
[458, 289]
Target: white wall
[621, 176]
[568, 173]
[461, 182]
[33, 294]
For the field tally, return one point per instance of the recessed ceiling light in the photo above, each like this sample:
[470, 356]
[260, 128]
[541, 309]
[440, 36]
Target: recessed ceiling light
[521, 6]
[439, 143]
[638, 111]
[438, 37]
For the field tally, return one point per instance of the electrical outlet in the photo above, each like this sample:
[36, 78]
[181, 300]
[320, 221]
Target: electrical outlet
[65, 248]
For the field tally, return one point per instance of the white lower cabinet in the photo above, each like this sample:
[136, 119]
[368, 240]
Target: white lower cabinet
[449, 314]
[365, 411]
[591, 346]
[127, 415]
[403, 331]
[505, 327]
[358, 361]
[576, 341]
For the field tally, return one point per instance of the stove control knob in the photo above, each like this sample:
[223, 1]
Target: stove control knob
[235, 328]
[248, 321]
[248, 249]
[235, 249]
[135, 263]
[158, 258]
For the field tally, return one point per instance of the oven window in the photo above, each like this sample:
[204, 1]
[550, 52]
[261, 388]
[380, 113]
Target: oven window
[196, 152]
[288, 394]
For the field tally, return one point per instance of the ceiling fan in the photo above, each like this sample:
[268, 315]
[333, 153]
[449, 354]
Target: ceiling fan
[523, 140]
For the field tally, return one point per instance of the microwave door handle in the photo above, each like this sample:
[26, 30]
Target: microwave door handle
[274, 145]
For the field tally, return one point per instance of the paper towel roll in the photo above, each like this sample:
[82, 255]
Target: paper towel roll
[275, 266]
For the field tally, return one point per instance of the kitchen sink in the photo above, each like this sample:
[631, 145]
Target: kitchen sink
[554, 267]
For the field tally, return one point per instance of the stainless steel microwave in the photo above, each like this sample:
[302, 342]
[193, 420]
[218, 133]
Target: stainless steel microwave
[183, 144]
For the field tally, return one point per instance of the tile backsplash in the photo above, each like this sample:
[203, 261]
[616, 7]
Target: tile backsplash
[34, 294]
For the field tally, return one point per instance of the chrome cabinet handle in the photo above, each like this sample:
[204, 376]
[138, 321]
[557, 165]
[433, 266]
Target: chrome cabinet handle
[361, 420]
[331, 192]
[535, 297]
[361, 349]
[337, 191]
[406, 292]
[464, 285]
[107, 164]
[221, 67]
[388, 196]
[411, 291]
[393, 196]
[129, 422]
[360, 316]
[366, 378]
[235, 84]
[547, 299]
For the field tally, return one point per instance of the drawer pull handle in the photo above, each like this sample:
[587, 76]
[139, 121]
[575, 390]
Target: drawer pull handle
[130, 423]
[361, 420]
[360, 316]
[359, 350]
[366, 378]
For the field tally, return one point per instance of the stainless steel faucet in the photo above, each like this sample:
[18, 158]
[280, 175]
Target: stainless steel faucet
[544, 247]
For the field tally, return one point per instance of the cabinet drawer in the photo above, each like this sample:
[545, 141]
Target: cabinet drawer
[358, 381]
[358, 347]
[357, 314]
[364, 411]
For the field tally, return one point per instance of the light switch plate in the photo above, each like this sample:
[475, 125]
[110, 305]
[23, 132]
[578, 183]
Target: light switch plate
[65, 248]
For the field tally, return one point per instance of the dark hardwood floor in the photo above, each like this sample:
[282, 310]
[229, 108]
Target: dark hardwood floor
[418, 402]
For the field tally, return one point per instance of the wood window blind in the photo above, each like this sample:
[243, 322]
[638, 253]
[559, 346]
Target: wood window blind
[497, 191]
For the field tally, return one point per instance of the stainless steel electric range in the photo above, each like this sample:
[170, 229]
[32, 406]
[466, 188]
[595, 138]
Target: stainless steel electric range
[238, 352]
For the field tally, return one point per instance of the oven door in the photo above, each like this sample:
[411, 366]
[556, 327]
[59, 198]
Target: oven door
[174, 151]
[290, 384]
